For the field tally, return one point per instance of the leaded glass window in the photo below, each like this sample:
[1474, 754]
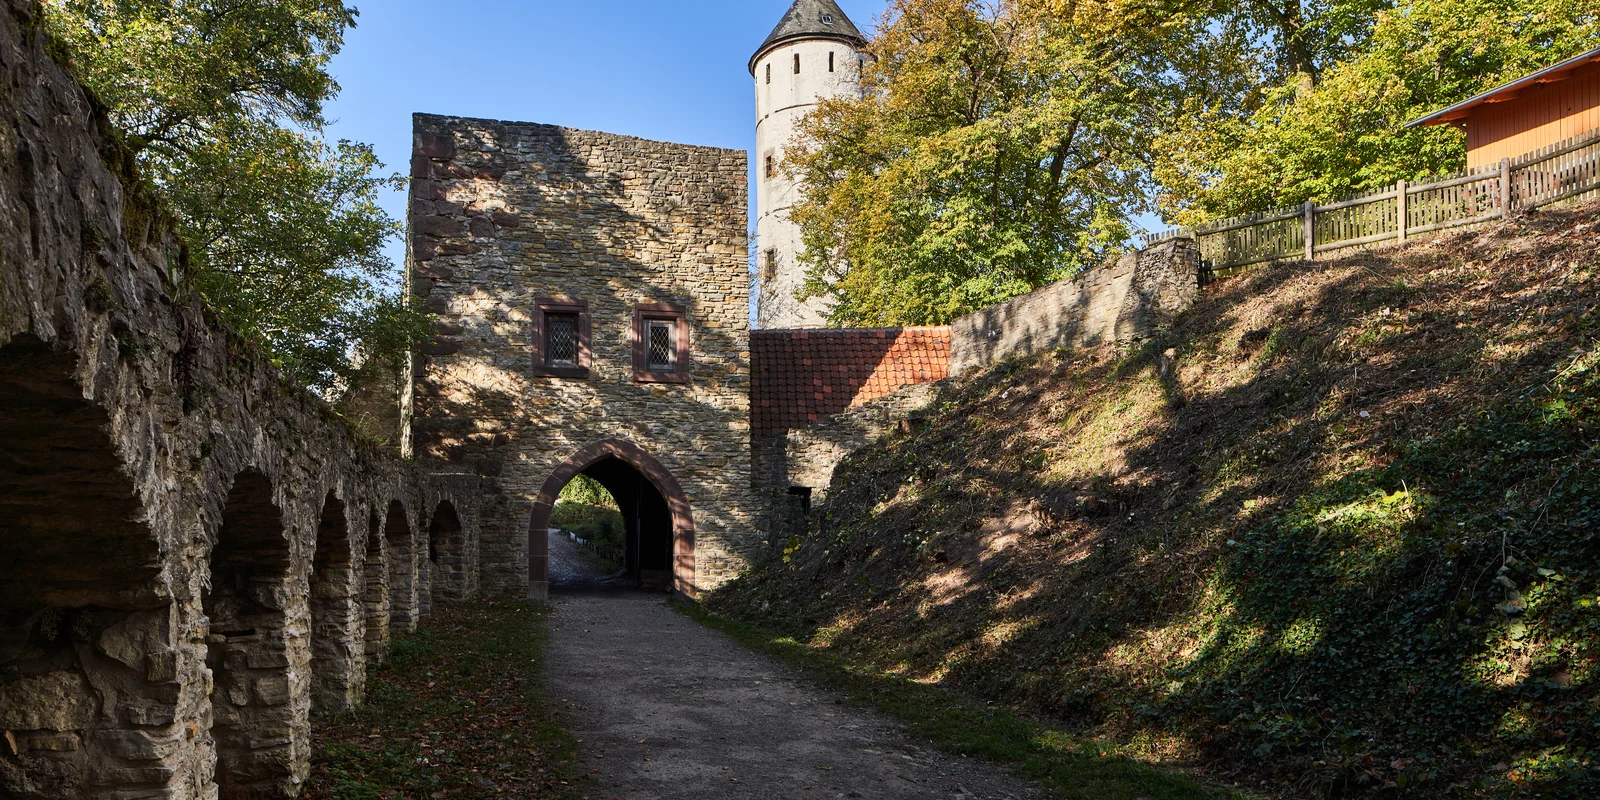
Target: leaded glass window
[561, 347]
[662, 353]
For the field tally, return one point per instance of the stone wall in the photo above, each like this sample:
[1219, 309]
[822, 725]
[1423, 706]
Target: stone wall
[796, 469]
[816, 395]
[194, 553]
[1121, 301]
[505, 214]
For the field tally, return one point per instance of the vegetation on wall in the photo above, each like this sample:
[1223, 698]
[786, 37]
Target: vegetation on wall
[1337, 534]
[1000, 146]
[221, 103]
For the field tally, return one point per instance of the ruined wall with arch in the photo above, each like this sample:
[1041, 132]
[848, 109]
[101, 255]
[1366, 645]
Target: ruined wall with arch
[194, 553]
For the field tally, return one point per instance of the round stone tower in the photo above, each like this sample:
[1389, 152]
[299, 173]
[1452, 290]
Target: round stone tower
[816, 52]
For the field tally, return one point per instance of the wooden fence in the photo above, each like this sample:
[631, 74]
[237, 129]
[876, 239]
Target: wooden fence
[1556, 173]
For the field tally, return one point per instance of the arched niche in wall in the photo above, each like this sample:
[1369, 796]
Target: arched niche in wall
[337, 618]
[402, 557]
[376, 573]
[86, 626]
[447, 565]
[259, 729]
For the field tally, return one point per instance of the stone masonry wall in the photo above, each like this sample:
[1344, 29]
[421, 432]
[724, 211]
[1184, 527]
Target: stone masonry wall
[194, 553]
[842, 382]
[1122, 301]
[796, 468]
[504, 214]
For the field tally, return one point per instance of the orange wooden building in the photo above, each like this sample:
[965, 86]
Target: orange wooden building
[1548, 107]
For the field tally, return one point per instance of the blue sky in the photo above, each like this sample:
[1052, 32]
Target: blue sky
[673, 71]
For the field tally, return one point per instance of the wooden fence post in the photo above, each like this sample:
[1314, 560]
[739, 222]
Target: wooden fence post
[1505, 188]
[1311, 230]
[1403, 220]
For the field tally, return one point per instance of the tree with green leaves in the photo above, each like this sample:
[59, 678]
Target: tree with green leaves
[221, 102]
[1285, 141]
[998, 147]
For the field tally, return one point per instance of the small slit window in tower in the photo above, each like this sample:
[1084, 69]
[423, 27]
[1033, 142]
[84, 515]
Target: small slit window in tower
[772, 166]
[830, 60]
[769, 73]
[797, 63]
[561, 349]
[662, 355]
[769, 265]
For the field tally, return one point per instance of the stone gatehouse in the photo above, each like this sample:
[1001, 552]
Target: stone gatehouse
[592, 292]
[593, 297]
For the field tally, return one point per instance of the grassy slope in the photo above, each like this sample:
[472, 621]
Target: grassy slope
[1337, 534]
[455, 712]
[1069, 766]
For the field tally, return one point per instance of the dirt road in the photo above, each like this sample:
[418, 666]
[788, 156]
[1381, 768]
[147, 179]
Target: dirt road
[666, 709]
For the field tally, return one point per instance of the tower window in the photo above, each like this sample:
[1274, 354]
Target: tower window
[772, 166]
[769, 264]
[830, 60]
[769, 73]
[797, 63]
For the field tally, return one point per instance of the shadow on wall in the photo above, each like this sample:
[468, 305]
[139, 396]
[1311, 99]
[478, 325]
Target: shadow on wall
[489, 240]
[80, 571]
[250, 647]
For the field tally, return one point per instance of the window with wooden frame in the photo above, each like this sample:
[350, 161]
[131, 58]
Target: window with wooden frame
[661, 343]
[561, 338]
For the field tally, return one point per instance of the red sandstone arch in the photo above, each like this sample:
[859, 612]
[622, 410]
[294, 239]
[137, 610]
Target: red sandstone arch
[683, 577]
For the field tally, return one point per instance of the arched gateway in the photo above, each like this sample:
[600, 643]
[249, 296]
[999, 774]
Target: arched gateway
[655, 510]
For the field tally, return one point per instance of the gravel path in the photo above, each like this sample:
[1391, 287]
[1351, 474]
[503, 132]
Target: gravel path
[567, 564]
[667, 710]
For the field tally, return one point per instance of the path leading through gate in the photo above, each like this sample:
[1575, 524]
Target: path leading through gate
[666, 709]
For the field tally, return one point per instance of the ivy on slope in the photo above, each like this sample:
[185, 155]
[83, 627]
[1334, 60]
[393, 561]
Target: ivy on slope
[1338, 535]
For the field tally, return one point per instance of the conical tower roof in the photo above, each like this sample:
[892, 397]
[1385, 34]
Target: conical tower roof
[811, 19]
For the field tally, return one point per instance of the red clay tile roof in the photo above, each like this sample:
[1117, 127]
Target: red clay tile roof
[801, 376]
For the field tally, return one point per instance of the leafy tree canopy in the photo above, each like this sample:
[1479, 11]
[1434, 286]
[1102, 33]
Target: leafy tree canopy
[997, 148]
[222, 102]
[1287, 139]
[1003, 144]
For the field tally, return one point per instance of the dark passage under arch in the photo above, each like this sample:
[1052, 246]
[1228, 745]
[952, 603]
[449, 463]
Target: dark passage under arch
[656, 514]
[79, 568]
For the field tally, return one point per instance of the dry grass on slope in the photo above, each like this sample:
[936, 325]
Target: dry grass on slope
[1337, 534]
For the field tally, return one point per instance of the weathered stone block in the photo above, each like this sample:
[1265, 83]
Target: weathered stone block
[59, 701]
[273, 691]
[439, 227]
